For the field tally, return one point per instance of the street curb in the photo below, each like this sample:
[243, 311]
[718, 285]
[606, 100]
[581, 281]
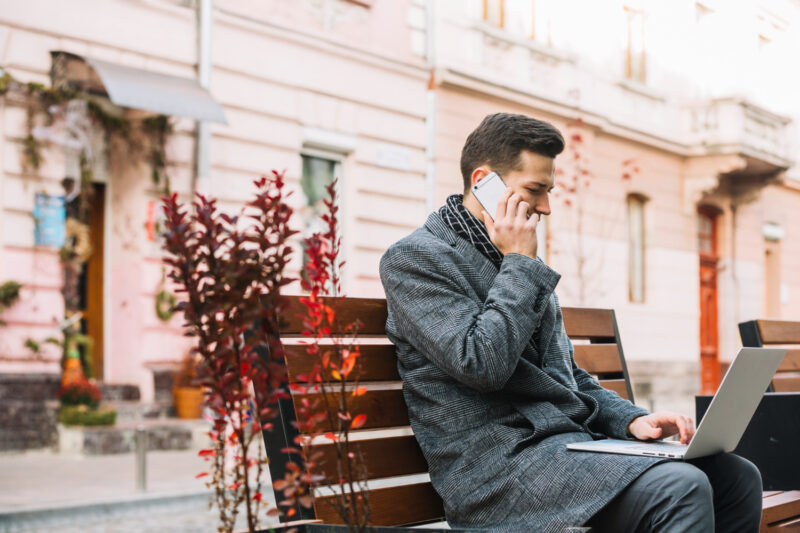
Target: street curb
[57, 516]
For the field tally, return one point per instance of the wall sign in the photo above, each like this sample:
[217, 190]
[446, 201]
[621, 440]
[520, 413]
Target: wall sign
[49, 216]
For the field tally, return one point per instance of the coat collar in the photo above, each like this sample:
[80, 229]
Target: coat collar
[439, 228]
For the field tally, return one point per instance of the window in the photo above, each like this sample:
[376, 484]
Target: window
[706, 234]
[772, 278]
[318, 174]
[636, 245]
[773, 234]
[634, 51]
[319, 171]
[494, 12]
[528, 19]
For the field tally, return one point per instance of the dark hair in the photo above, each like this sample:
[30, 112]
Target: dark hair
[500, 138]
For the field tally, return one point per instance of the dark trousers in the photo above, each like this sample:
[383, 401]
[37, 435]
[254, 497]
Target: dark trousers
[719, 493]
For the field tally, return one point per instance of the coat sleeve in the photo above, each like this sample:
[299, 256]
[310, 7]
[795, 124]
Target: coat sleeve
[614, 413]
[477, 345]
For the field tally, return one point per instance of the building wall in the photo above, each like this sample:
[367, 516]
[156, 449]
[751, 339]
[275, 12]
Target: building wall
[313, 76]
[350, 78]
[681, 139]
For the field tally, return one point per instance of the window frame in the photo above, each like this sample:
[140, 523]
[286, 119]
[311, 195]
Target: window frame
[640, 75]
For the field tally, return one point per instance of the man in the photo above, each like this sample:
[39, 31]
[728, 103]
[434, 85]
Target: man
[490, 381]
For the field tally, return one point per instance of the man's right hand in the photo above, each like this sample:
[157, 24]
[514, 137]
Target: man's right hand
[512, 231]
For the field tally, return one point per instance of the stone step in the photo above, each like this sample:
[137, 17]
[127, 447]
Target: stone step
[119, 392]
[132, 410]
[162, 434]
[26, 425]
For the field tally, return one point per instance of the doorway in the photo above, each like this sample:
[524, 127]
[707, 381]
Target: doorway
[707, 219]
[91, 284]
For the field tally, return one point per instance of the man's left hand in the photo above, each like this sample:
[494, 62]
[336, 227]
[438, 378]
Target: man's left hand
[661, 425]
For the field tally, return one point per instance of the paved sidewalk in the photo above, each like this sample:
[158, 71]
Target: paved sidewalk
[43, 491]
[43, 479]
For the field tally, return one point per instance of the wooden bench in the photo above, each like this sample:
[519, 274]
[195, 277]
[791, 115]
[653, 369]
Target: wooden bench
[778, 333]
[391, 453]
[783, 333]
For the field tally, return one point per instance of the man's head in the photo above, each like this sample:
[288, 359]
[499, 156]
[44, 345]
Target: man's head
[520, 149]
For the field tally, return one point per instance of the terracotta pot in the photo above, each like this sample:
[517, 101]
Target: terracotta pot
[188, 401]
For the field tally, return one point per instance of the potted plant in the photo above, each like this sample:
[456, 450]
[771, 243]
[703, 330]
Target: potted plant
[187, 395]
[80, 405]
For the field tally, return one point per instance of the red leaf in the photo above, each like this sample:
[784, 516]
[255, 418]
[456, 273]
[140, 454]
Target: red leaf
[306, 501]
[207, 452]
[331, 436]
[358, 421]
[359, 391]
[201, 474]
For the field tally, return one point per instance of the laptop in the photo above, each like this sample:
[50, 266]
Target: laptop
[726, 419]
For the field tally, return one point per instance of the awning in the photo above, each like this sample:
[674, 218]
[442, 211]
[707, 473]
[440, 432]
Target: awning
[137, 88]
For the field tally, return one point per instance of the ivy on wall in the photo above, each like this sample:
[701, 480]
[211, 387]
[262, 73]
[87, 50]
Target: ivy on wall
[72, 114]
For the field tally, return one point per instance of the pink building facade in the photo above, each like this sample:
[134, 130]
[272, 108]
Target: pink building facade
[382, 95]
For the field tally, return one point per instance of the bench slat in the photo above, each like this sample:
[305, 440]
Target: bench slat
[384, 408]
[781, 507]
[790, 526]
[386, 457]
[393, 506]
[779, 331]
[791, 361]
[586, 323]
[786, 382]
[371, 312]
[616, 385]
[377, 362]
[598, 358]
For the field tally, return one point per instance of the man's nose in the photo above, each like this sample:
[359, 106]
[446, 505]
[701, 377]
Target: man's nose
[542, 206]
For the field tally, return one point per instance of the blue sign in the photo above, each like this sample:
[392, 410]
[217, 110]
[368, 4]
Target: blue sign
[50, 217]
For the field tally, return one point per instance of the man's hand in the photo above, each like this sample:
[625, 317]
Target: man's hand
[661, 425]
[513, 231]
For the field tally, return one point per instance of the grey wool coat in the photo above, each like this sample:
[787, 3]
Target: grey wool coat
[492, 388]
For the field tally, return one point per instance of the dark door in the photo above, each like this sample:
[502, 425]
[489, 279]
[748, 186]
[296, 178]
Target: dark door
[92, 297]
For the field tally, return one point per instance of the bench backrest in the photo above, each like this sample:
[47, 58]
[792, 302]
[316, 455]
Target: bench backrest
[386, 441]
[777, 333]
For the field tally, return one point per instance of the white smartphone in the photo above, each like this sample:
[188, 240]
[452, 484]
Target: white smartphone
[488, 191]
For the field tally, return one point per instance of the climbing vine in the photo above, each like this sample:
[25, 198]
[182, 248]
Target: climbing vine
[69, 117]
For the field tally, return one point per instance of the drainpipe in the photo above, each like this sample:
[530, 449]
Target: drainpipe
[205, 21]
[430, 112]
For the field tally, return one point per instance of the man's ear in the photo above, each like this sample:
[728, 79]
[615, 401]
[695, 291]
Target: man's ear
[479, 173]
